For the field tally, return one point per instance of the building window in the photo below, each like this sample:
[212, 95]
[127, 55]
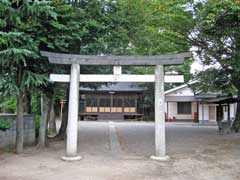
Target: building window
[91, 102]
[184, 108]
[129, 102]
[117, 102]
[105, 102]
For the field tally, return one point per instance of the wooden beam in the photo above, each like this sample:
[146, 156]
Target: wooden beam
[116, 78]
[172, 59]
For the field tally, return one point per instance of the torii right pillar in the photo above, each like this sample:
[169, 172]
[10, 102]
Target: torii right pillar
[160, 139]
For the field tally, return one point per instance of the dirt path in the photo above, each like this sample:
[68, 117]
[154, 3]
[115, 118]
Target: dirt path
[196, 153]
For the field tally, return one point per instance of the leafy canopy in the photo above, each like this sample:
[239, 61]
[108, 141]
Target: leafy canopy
[18, 48]
[217, 38]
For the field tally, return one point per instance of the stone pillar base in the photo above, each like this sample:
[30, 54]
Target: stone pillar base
[71, 158]
[159, 158]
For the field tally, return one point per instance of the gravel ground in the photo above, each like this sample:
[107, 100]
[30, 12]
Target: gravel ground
[196, 153]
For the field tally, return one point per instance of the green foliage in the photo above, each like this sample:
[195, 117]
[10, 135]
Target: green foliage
[5, 124]
[35, 104]
[9, 105]
[183, 69]
[217, 38]
[157, 27]
[123, 27]
[19, 46]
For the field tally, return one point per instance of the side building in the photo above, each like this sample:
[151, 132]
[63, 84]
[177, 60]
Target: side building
[182, 104]
[124, 101]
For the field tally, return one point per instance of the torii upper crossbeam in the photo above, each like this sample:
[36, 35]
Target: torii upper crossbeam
[59, 58]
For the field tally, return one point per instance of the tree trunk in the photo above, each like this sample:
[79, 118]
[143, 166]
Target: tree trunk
[63, 128]
[42, 139]
[219, 117]
[57, 108]
[19, 124]
[62, 131]
[52, 118]
[27, 104]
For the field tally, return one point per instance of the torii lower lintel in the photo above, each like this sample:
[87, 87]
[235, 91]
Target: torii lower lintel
[116, 78]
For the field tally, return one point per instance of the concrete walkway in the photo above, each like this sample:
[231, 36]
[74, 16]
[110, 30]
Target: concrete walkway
[121, 150]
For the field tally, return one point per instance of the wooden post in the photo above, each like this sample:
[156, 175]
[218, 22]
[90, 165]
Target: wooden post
[111, 100]
[98, 103]
[198, 112]
[203, 113]
[167, 111]
[228, 114]
[219, 117]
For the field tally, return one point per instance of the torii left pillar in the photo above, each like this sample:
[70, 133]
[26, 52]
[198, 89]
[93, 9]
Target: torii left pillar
[72, 127]
[160, 139]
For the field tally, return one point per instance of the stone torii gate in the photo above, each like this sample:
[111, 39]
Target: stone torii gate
[116, 61]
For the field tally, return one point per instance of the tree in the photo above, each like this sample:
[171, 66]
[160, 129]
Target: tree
[82, 27]
[217, 39]
[157, 27]
[85, 27]
[19, 52]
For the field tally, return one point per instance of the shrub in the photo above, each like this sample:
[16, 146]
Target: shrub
[9, 105]
[5, 124]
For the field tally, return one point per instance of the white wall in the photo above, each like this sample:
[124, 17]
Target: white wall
[172, 111]
[186, 91]
[172, 106]
[206, 112]
[203, 110]
[225, 113]
[233, 110]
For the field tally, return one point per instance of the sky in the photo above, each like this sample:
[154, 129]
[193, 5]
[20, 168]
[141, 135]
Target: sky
[196, 66]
